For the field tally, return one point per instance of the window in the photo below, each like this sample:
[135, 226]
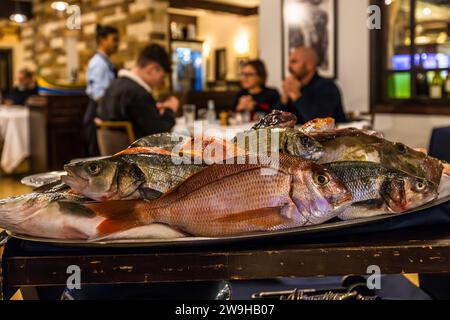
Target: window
[411, 57]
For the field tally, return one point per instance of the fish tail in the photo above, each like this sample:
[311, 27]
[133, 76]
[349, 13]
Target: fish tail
[119, 216]
[145, 150]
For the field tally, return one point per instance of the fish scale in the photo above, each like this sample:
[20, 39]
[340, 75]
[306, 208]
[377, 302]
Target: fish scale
[356, 145]
[129, 176]
[376, 189]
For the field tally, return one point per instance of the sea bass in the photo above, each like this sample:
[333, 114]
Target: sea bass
[60, 215]
[378, 190]
[128, 176]
[287, 140]
[355, 145]
[224, 200]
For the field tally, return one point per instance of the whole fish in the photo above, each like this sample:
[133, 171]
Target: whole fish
[128, 176]
[290, 141]
[355, 145]
[277, 119]
[60, 215]
[378, 190]
[224, 200]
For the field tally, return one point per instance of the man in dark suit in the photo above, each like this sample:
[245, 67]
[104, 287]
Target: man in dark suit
[130, 96]
[25, 89]
[305, 93]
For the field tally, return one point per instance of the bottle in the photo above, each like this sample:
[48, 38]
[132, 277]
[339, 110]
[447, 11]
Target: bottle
[436, 86]
[422, 88]
[447, 85]
[191, 32]
[211, 113]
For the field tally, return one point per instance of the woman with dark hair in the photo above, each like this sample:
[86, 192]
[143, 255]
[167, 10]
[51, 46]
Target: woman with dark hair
[101, 72]
[255, 96]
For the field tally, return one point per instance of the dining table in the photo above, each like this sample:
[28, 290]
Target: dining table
[14, 136]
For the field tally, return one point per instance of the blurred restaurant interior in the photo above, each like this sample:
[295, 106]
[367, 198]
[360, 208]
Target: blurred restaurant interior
[389, 59]
[386, 72]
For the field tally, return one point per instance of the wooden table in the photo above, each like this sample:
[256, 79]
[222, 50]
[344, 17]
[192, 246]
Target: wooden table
[417, 250]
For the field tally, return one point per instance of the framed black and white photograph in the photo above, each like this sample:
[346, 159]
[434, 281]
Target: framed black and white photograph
[311, 23]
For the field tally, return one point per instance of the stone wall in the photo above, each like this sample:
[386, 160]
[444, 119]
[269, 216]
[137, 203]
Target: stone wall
[45, 37]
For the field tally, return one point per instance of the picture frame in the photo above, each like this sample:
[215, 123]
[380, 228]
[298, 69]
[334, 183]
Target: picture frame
[311, 23]
[221, 64]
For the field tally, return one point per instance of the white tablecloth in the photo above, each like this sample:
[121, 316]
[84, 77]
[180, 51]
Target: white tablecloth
[15, 136]
[202, 128]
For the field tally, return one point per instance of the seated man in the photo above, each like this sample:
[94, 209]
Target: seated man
[306, 94]
[26, 88]
[129, 97]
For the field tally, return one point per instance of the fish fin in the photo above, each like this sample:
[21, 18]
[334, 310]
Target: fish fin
[261, 219]
[74, 192]
[73, 208]
[111, 226]
[191, 152]
[145, 150]
[114, 209]
[211, 175]
[120, 215]
[150, 194]
[393, 192]
[74, 233]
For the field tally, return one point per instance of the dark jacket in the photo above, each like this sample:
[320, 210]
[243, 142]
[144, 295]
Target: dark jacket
[19, 96]
[266, 100]
[126, 100]
[320, 98]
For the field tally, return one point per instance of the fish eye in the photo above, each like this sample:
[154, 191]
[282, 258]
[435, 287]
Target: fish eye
[321, 179]
[401, 148]
[93, 168]
[304, 140]
[420, 186]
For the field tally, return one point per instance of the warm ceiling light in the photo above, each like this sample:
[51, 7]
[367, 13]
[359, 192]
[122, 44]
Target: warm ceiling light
[59, 5]
[18, 18]
[388, 2]
[426, 11]
[242, 44]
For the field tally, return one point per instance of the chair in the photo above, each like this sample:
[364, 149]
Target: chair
[113, 136]
[439, 143]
